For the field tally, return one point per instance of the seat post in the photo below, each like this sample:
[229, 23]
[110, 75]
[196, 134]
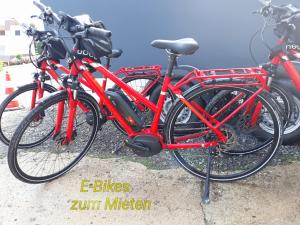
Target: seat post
[172, 63]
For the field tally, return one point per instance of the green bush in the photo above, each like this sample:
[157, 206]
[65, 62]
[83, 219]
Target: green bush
[38, 48]
[19, 57]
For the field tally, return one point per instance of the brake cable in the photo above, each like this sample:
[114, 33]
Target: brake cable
[261, 31]
[251, 45]
[262, 34]
[31, 55]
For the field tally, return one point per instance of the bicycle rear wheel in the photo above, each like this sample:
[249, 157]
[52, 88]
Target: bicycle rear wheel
[264, 129]
[226, 167]
[9, 120]
[53, 158]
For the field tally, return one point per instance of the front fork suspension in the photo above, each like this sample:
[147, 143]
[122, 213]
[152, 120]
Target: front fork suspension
[72, 113]
[72, 100]
[37, 93]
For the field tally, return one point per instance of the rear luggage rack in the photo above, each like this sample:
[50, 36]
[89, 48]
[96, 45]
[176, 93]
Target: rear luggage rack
[223, 77]
[146, 71]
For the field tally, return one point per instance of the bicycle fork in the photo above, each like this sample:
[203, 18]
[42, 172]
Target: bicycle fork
[73, 103]
[72, 113]
[37, 93]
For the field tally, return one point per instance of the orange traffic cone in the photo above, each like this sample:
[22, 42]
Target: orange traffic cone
[14, 104]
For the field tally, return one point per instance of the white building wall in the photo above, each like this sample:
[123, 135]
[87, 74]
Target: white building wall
[16, 45]
[12, 44]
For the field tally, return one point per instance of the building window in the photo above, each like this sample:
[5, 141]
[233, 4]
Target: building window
[2, 32]
[17, 33]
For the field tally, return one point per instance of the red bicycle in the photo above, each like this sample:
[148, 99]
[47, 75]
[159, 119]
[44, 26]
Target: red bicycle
[283, 60]
[70, 118]
[28, 95]
[142, 79]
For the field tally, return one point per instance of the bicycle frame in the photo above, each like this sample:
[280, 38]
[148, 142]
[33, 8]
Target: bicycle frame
[284, 60]
[47, 66]
[248, 74]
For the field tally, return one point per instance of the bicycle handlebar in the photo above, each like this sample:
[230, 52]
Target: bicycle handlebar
[282, 15]
[47, 11]
[38, 35]
[278, 13]
[97, 24]
[40, 5]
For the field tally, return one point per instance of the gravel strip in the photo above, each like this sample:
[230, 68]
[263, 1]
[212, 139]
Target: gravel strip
[110, 138]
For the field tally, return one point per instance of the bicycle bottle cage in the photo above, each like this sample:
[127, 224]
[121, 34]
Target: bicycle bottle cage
[126, 108]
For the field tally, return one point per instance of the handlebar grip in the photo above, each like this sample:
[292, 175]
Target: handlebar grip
[99, 32]
[40, 5]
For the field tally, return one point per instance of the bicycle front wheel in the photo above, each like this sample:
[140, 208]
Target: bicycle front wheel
[240, 134]
[54, 157]
[25, 96]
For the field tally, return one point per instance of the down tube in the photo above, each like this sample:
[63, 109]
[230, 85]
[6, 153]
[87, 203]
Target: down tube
[125, 87]
[100, 92]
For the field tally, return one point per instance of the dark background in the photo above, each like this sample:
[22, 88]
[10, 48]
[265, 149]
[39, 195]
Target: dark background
[222, 28]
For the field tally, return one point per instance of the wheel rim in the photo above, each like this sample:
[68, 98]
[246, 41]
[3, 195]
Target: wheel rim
[183, 117]
[11, 119]
[237, 166]
[295, 118]
[54, 157]
[292, 126]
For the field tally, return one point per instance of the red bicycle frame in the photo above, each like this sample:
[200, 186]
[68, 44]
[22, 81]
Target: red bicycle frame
[47, 66]
[283, 59]
[255, 77]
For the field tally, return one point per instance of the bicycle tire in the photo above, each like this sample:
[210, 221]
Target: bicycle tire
[285, 108]
[200, 172]
[292, 131]
[21, 90]
[54, 98]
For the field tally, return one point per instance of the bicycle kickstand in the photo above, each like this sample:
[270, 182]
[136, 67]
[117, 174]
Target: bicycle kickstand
[205, 197]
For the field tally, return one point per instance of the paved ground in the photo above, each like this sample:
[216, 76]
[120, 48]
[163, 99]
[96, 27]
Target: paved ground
[269, 198]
